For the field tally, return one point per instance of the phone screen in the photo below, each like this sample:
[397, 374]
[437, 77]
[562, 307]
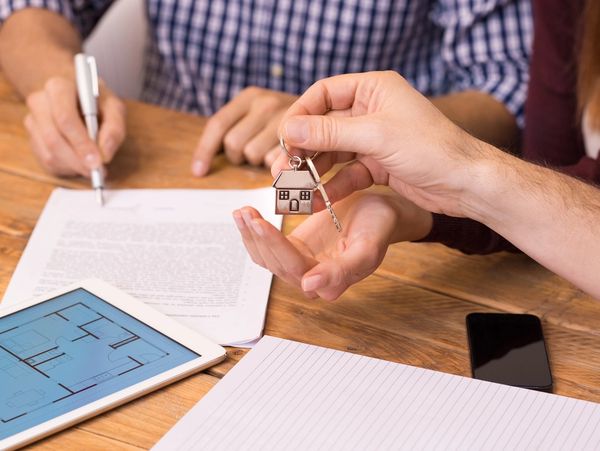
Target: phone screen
[509, 349]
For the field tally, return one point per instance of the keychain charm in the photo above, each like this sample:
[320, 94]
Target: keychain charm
[295, 188]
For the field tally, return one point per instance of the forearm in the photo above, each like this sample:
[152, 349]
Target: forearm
[482, 116]
[36, 45]
[552, 217]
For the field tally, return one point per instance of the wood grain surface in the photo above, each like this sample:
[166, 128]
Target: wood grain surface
[412, 310]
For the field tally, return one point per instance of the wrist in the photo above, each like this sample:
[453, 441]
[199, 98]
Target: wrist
[486, 185]
[412, 223]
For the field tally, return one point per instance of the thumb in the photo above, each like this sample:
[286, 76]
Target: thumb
[330, 133]
[330, 278]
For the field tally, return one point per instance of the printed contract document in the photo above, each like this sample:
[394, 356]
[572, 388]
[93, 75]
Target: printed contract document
[177, 250]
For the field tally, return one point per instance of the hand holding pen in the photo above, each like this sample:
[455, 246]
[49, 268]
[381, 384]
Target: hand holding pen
[57, 132]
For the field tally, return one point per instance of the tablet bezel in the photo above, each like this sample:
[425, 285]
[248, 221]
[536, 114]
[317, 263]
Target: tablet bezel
[210, 354]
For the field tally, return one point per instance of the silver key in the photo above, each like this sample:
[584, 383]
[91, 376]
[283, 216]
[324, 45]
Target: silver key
[315, 174]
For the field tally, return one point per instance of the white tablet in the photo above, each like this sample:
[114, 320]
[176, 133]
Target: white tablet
[82, 351]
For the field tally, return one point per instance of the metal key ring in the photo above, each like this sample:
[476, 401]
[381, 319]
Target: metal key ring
[285, 149]
[295, 162]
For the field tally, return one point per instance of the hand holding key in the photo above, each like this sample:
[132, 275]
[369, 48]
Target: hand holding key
[390, 133]
[58, 135]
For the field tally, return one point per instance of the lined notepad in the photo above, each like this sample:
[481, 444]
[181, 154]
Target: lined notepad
[289, 395]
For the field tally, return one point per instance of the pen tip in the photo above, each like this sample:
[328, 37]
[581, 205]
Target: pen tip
[100, 196]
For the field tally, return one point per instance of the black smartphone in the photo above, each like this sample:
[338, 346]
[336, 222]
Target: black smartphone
[509, 349]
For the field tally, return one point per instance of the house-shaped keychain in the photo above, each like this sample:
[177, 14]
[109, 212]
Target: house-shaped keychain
[294, 192]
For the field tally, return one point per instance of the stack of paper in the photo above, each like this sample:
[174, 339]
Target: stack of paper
[293, 396]
[178, 250]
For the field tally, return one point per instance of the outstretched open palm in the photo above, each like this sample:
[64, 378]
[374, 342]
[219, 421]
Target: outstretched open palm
[322, 261]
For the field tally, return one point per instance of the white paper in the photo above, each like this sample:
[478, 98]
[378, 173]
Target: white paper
[288, 395]
[177, 250]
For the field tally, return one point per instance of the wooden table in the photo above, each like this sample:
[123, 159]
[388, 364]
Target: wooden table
[412, 310]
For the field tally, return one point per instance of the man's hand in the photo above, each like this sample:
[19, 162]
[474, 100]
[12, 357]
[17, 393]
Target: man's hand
[58, 135]
[395, 136]
[323, 262]
[246, 128]
[391, 133]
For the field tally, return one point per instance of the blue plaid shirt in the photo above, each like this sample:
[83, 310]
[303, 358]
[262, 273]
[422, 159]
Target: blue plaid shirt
[203, 52]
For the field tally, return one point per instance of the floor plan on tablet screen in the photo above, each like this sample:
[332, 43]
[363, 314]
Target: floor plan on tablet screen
[47, 353]
[72, 350]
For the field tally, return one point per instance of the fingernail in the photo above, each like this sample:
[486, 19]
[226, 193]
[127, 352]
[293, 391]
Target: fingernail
[198, 168]
[310, 295]
[247, 217]
[239, 222]
[92, 160]
[257, 227]
[312, 283]
[296, 130]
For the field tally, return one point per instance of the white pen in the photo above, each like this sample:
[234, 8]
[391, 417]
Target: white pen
[86, 76]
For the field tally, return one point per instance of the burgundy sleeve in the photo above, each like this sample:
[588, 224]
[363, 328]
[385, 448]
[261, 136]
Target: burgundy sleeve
[466, 235]
[552, 131]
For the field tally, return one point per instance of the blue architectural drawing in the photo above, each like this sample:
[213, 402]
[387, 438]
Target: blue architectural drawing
[63, 353]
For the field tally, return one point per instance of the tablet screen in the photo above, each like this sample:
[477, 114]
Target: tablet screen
[72, 350]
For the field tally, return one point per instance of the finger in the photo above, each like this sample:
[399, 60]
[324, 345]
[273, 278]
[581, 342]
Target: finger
[310, 295]
[281, 163]
[248, 239]
[56, 155]
[46, 158]
[325, 161]
[352, 177]
[286, 262]
[62, 98]
[331, 278]
[112, 128]
[334, 93]
[289, 264]
[215, 130]
[263, 143]
[240, 136]
[341, 92]
[257, 232]
[332, 134]
[271, 156]
[283, 264]
[285, 259]
[322, 162]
